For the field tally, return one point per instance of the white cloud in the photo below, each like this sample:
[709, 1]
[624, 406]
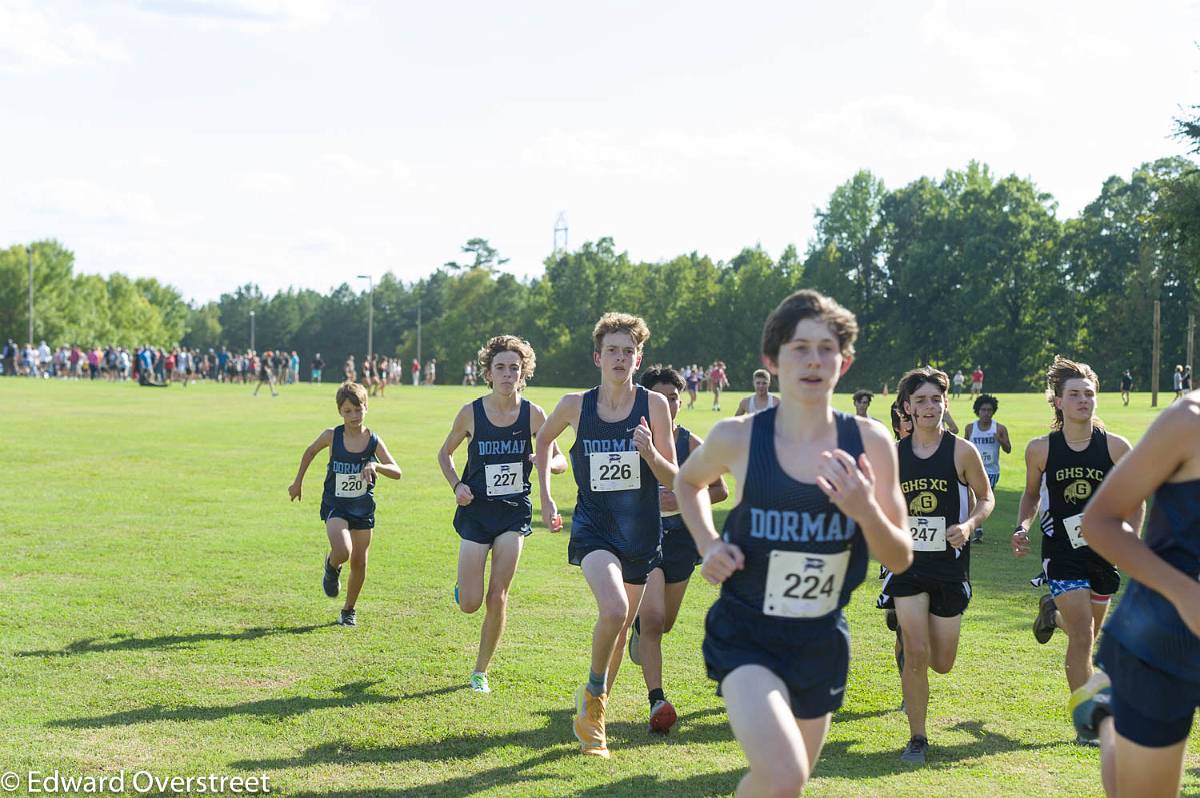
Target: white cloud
[32, 40]
[79, 201]
[248, 15]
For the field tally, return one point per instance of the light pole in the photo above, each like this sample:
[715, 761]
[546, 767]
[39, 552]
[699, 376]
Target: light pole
[252, 331]
[418, 330]
[29, 253]
[370, 313]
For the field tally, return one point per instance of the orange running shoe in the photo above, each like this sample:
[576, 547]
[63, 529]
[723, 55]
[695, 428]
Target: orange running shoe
[589, 722]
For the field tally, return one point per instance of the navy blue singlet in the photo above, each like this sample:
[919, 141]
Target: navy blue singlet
[803, 555]
[683, 448]
[603, 457]
[1146, 623]
[497, 472]
[345, 488]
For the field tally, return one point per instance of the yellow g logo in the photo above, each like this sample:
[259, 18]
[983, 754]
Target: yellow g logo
[1077, 491]
[923, 503]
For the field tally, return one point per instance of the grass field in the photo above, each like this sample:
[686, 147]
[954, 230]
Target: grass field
[161, 610]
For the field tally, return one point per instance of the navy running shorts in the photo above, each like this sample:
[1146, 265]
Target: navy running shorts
[1150, 707]
[679, 554]
[811, 658]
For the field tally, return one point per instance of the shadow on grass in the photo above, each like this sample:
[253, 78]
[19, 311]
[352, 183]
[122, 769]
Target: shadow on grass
[838, 760]
[93, 645]
[550, 742]
[350, 695]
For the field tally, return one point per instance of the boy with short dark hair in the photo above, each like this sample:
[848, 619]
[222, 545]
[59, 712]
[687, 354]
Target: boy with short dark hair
[356, 456]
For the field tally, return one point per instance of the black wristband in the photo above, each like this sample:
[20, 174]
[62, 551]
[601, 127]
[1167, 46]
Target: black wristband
[456, 484]
[1020, 528]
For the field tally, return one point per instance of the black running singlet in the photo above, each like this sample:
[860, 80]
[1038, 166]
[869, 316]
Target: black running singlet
[935, 499]
[1068, 483]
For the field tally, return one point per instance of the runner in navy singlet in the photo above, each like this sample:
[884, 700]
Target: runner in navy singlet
[492, 494]
[357, 455]
[667, 583]
[815, 488]
[1150, 649]
[622, 452]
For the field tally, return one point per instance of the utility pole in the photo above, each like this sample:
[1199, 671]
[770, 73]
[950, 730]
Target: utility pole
[370, 313]
[1154, 360]
[1190, 341]
[419, 331]
[252, 331]
[29, 253]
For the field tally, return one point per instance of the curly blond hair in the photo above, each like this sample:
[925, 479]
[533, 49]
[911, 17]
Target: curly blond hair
[507, 343]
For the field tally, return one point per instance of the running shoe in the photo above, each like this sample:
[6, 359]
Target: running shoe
[456, 593]
[1043, 625]
[662, 717]
[332, 579]
[479, 682]
[589, 722]
[348, 618]
[914, 752]
[635, 637]
[1088, 706]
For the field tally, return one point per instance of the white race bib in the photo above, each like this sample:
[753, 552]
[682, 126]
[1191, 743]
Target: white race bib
[350, 486]
[928, 533]
[615, 471]
[1074, 532]
[503, 479]
[804, 585]
[987, 456]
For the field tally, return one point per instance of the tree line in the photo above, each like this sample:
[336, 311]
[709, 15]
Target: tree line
[962, 270]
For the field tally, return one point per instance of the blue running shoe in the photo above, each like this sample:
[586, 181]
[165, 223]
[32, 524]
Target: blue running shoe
[1089, 705]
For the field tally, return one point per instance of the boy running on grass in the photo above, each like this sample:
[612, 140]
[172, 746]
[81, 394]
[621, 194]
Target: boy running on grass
[622, 452]
[815, 488]
[1062, 471]
[667, 583]
[356, 456]
[494, 511]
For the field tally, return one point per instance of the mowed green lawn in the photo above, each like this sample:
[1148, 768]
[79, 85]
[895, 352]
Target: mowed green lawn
[161, 609]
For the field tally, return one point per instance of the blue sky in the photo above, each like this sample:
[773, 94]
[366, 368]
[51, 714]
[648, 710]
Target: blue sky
[213, 142]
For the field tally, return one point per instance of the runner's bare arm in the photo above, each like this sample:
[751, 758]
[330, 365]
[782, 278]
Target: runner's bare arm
[1035, 465]
[558, 461]
[460, 430]
[323, 440]
[1002, 436]
[970, 470]
[661, 455]
[869, 492]
[565, 414]
[726, 440]
[717, 490]
[1168, 447]
[386, 464]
